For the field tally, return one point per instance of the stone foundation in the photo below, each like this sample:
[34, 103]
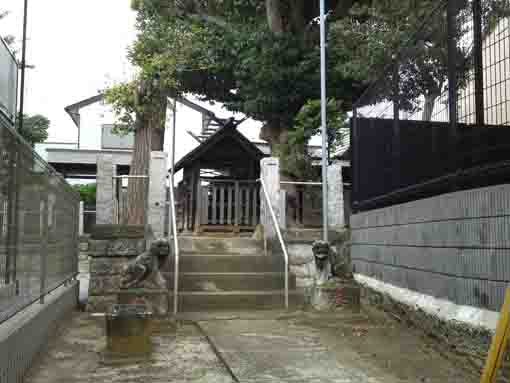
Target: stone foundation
[336, 294]
[301, 261]
[110, 248]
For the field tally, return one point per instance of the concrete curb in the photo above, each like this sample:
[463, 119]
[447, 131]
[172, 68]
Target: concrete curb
[441, 308]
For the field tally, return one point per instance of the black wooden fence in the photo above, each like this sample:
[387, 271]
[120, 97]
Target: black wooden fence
[421, 159]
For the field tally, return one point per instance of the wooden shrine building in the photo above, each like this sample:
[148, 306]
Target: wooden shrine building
[219, 190]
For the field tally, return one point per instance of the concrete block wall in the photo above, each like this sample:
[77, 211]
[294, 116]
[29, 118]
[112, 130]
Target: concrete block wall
[454, 246]
[24, 335]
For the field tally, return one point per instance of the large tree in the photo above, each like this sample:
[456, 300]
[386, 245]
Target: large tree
[9, 39]
[35, 128]
[262, 58]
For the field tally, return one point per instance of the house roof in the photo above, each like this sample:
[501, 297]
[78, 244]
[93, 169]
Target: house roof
[226, 132]
[74, 109]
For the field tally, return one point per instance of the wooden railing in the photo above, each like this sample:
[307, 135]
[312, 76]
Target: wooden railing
[229, 204]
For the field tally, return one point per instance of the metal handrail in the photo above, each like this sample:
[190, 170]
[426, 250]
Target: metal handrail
[280, 239]
[176, 246]
[301, 183]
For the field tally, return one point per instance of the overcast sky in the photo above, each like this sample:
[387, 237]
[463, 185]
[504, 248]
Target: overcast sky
[78, 47]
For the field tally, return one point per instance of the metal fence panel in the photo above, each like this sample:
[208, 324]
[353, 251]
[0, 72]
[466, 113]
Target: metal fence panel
[38, 226]
[429, 122]
[8, 81]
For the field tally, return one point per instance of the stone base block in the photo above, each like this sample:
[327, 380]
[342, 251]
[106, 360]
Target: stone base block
[157, 301]
[109, 231]
[336, 294]
[118, 247]
[84, 246]
[128, 333]
[102, 285]
[105, 266]
[101, 303]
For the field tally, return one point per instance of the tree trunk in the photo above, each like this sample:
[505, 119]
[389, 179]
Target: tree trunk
[274, 16]
[275, 135]
[157, 125]
[137, 188]
[428, 108]
[298, 16]
[271, 132]
[342, 8]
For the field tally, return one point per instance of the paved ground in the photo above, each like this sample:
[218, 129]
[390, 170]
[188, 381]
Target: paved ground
[260, 347]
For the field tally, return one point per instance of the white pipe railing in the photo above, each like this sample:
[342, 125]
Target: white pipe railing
[280, 239]
[301, 183]
[173, 223]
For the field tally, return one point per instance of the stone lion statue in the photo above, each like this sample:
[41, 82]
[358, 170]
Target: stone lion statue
[143, 271]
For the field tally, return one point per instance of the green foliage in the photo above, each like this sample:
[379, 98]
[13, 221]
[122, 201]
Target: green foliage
[121, 98]
[35, 128]
[232, 52]
[87, 193]
[294, 156]
[131, 100]
[9, 39]
[308, 123]
[229, 55]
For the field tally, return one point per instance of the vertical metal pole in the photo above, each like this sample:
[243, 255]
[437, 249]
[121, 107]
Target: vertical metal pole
[23, 65]
[478, 62]
[81, 218]
[147, 205]
[452, 80]
[355, 160]
[396, 128]
[44, 242]
[174, 220]
[324, 126]
[174, 125]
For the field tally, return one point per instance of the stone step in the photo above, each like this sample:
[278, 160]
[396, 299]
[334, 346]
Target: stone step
[218, 245]
[227, 264]
[236, 300]
[223, 282]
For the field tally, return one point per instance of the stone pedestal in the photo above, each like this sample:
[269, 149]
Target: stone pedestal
[110, 248]
[336, 217]
[336, 294]
[105, 205]
[270, 174]
[157, 193]
[128, 332]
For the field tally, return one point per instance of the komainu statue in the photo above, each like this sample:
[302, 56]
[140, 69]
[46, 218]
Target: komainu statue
[144, 270]
[322, 254]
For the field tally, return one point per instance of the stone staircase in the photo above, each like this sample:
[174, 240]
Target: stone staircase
[230, 274]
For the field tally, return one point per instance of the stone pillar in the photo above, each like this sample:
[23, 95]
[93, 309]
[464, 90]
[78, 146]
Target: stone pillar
[81, 218]
[282, 219]
[336, 217]
[157, 192]
[105, 191]
[270, 173]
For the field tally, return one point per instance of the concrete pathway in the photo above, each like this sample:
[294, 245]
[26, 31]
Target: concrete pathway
[258, 347]
[271, 351]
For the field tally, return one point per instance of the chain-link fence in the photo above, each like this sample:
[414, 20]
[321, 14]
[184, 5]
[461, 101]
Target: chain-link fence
[429, 122]
[38, 226]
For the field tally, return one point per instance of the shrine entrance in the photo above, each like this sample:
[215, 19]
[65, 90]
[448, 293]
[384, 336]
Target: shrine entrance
[219, 190]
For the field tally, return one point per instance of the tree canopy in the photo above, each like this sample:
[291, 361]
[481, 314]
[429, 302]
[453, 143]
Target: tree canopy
[262, 58]
[35, 128]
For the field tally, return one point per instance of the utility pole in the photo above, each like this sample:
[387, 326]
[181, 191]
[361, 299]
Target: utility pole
[324, 123]
[23, 65]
